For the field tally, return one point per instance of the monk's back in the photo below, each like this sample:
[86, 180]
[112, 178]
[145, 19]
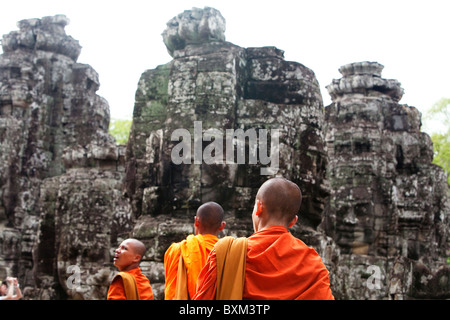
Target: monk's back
[280, 266]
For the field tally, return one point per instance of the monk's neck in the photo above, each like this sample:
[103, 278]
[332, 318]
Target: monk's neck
[204, 233]
[130, 267]
[265, 227]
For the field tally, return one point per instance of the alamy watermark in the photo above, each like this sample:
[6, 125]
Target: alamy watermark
[374, 280]
[73, 281]
[235, 140]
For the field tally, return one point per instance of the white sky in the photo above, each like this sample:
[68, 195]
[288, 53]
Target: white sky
[122, 39]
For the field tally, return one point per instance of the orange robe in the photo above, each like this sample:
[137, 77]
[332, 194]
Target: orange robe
[116, 290]
[195, 251]
[278, 266]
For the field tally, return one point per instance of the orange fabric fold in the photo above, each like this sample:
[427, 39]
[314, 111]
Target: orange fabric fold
[278, 266]
[121, 287]
[129, 285]
[230, 256]
[194, 251]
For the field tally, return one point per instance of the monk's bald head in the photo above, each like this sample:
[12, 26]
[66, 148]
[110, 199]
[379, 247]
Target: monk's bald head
[282, 198]
[136, 246]
[210, 215]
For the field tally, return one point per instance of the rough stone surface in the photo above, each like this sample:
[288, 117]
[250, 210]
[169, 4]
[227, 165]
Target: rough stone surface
[60, 171]
[46, 34]
[224, 87]
[194, 27]
[375, 208]
[389, 204]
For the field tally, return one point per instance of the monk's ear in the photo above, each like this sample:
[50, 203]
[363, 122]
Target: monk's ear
[137, 257]
[196, 221]
[222, 225]
[293, 221]
[259, 207]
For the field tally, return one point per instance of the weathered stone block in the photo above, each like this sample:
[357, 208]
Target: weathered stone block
[378, 171]
[374, 206]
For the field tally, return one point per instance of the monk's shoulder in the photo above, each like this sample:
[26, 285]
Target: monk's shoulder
[117, 282]
[176, 246]
[117, 277]
[173, 252]
[226, 239]
[307, 252]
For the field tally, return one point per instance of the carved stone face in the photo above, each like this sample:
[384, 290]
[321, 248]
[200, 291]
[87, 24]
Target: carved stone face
[355, 228]
[194, 27]
[378, 167]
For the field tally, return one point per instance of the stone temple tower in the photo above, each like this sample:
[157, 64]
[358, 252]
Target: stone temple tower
[374, 207]
[389, 204]
[60, 170]
[222, 87]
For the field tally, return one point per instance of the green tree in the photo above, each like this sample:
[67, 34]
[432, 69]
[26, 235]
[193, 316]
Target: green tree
[440, 114]
[120, 130]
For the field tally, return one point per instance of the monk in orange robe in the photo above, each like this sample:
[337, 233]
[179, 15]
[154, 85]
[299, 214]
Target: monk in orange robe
[129, 283]
[271, 263]
[184, 260]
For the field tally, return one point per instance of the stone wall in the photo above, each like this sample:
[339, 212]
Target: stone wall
[61, 172]
[375, 208]
[389, 204]
[222, 87]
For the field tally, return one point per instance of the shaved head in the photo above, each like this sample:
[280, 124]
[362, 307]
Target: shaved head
[137, 246]
[282, 198]
[210, 215]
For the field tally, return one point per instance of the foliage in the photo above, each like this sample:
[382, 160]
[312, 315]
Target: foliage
[441, 109]
[441, 144]
[120, 130]
[441, 140]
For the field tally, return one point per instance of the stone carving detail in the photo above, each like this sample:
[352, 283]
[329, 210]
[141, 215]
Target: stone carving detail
[60, 177]
[389, 204]
[46, 34]
[365, 78]
[223, 86]
[375, 208]
[194, 26]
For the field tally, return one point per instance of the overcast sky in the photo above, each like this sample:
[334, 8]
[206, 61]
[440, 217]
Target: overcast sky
[122, 39]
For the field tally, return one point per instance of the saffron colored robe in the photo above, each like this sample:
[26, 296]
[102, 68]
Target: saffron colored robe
[116, 290]
[194, 251]
[277, 266]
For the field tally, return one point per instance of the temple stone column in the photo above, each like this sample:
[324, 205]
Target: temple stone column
[389, 205]
[61, 205]
[272, 107]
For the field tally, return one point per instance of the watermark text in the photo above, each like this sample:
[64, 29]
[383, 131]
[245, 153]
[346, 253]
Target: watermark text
[235, 145]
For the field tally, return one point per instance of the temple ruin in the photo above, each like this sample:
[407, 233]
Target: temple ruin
[374, 207]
